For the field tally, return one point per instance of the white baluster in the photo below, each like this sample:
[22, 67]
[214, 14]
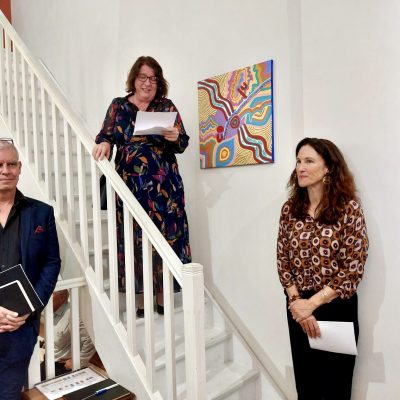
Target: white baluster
[35, 130]
[83, 200]
[45, 142]
[75, 332]
[130, 281]
[148, 310]
[17, 101]
[112, 253]
[69, 181]
[169, 329]
[193, 307]
[10, 107]
[97, 237]
[58, 196]
[49, 339]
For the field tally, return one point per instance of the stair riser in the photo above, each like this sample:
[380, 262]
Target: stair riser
[217, 355]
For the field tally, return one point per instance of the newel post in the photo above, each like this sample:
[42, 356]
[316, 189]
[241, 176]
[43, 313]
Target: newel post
[193, 307]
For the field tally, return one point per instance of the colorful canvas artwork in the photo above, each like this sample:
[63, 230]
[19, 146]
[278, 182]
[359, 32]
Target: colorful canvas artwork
[236, 117]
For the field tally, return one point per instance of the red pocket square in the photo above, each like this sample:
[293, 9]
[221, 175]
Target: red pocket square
[39, 229]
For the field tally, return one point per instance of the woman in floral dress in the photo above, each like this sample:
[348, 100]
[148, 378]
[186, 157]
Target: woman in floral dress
[148, 166]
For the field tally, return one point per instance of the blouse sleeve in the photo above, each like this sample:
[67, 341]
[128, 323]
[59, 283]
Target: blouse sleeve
[283, 259]
[106, 133]
[353, 252]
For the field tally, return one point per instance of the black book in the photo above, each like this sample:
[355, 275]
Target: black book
[16, 291]
[112, 391]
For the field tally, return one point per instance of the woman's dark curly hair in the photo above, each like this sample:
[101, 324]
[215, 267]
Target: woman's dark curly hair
[338, 191]
[162, 84]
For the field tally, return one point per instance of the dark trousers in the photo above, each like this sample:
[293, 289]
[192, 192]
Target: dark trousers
[12, 379]
[15, 352]
[322, 375]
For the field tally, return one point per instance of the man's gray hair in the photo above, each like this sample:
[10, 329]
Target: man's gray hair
[8, 144]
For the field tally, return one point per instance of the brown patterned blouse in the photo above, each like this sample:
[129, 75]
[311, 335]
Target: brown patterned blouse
[312, 255]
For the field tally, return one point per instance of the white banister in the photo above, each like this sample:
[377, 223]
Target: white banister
[57, 146]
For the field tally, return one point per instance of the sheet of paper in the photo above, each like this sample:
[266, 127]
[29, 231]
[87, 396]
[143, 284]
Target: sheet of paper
[337, 337]
[152, 123]
[67, 383]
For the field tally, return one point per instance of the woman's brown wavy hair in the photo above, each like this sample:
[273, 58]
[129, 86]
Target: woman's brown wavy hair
[162, 84]
[336, 194]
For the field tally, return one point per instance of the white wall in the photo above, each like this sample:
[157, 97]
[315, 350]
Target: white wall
[342, 54]
[351, 62]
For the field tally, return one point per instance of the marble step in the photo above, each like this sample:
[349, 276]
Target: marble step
[233, 382]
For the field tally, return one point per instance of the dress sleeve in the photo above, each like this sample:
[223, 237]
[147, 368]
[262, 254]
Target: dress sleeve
[183, 139]
[353, 252]
[106, 133]
[283, 259]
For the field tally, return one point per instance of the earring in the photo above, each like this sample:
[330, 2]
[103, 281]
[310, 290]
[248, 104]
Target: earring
[326, 180]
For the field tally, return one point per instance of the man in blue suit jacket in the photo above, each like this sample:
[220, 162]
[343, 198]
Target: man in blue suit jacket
[28, 236]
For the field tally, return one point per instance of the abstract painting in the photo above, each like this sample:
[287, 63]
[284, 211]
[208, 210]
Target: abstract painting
[236, 117]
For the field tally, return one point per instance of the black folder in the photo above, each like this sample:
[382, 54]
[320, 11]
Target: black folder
[89, 392]
[16, 291]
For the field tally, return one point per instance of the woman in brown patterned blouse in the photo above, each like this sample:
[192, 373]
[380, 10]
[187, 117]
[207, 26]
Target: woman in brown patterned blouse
[321, 252]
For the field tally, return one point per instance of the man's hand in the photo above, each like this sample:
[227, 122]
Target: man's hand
[10, 321]
[68, 364]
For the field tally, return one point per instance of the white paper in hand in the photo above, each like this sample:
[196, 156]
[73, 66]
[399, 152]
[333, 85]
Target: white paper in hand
[337, 337]
[153, 123]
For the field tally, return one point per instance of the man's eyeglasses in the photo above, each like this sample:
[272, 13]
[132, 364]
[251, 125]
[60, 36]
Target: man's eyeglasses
[143, 78]
[6, 139]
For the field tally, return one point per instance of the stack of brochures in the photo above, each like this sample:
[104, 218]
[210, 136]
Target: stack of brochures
[83, 384]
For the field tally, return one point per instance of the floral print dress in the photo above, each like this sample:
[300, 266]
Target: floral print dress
[148, 166]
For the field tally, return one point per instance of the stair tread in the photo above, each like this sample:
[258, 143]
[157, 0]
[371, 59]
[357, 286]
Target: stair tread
[233, 376]
[225, 381]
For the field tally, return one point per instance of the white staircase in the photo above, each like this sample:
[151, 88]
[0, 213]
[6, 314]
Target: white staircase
[192, 352]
